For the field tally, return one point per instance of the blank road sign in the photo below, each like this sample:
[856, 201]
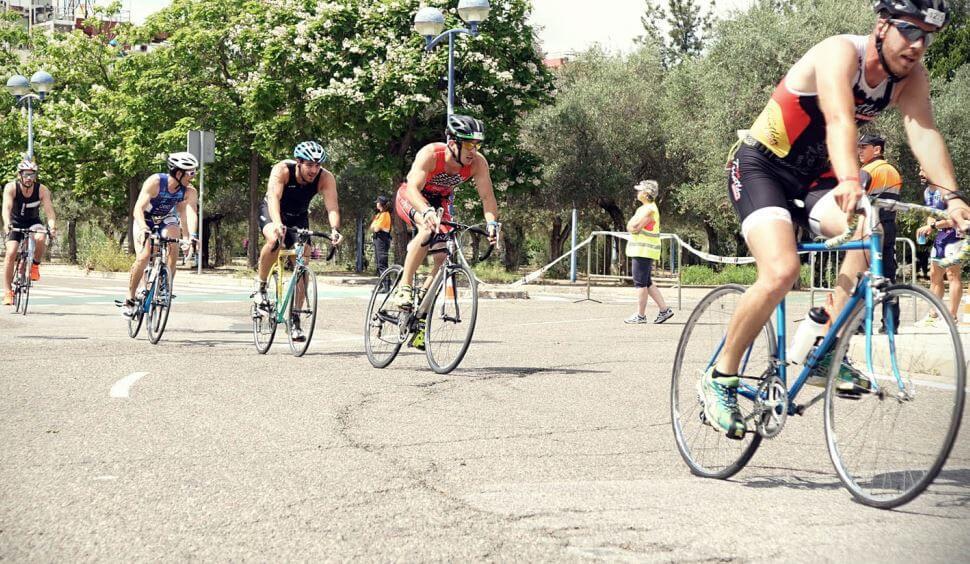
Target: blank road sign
[204, 151]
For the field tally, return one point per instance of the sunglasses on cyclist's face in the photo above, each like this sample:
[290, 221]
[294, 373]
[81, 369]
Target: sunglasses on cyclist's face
[190, 172]
[28, 175]
[471, 145]
[912, 32]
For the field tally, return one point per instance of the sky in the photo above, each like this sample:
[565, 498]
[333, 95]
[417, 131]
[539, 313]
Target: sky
[565, 26]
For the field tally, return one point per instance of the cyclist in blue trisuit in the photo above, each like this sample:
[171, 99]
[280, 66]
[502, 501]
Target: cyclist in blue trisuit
[803, 147]
[163, 200]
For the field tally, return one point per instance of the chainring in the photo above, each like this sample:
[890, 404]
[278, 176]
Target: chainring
[772, 404]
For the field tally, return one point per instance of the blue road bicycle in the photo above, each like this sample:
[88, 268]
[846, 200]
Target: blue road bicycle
[154, 301]
[888, 440]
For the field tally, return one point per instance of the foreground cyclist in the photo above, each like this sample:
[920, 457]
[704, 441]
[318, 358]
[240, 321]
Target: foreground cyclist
[292, 185]
[22, 199]
[163, 201]
[803, 146]
[438, 169]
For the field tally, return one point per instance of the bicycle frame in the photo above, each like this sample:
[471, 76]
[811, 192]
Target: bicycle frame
[865, 289]
[158, 257]
[298, 264]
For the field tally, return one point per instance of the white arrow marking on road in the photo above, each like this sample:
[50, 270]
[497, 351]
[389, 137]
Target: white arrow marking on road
[122, 387]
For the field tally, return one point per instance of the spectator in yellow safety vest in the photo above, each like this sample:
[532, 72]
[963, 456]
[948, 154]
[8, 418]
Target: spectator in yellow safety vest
[644, 249]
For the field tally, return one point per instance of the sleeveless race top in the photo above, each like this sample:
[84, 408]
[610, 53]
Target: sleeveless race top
[440, 184]
[791, 128]
[164, 203]
[26, 209]
[295, 201]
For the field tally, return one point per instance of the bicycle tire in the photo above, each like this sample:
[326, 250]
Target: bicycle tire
[685, 414]
[134, 322]
[375, 320]
[264, 322]
[160, 306]
[438, 319]
[20, 286]
[937, 392]
[310, 308]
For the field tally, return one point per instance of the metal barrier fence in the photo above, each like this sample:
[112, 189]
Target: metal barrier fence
[824, 268]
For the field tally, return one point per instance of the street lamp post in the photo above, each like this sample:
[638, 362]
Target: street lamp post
[25, 92]
[430, 22]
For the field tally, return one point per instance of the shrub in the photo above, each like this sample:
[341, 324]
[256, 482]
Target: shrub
[98, 252]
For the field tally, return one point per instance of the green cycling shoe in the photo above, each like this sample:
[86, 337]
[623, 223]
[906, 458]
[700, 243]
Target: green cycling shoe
[852, 382]
[721, 403]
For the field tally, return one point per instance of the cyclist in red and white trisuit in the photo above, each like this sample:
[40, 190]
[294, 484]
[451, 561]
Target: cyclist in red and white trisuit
[437, 171]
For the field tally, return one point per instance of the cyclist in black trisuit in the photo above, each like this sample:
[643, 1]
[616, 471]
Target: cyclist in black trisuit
[22, 200]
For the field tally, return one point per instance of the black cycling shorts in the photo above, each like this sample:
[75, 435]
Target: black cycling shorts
[756, 182]
[300, 221]
[641, 272]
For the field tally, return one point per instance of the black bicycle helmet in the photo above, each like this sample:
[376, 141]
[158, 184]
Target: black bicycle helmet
[932, 12]
[465, 127]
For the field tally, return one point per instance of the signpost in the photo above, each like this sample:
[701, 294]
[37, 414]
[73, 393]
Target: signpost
[202, 144]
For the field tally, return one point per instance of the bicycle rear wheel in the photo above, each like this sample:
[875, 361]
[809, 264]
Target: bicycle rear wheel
[706, 449]
[450, 322]
[305, 315]
[264, 319]
[889, 444]
[382, 334]
[160, 305]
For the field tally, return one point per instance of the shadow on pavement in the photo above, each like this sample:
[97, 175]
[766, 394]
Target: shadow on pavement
[523, 371]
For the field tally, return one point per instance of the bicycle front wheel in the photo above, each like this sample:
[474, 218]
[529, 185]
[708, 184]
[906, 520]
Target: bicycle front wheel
[450, 321]
[160, 305]
[21, 287]
[705, 448]
[382, 334]
[264, 317]
[302, 310]
[889, 443]
[134, 322]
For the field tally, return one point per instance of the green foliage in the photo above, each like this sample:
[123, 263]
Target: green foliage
[492, 271]
[687, 27]
[746, 274]
[98, 252]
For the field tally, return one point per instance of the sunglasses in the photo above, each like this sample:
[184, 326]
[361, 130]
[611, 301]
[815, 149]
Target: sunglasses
[30, 175]
[912, 32]
[190, 173]
[471, 145]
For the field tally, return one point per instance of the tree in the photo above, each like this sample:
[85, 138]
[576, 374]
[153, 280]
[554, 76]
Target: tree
[600, 136]
[687, 25]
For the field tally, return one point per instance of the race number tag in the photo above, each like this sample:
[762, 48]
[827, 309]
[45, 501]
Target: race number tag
[934, 17]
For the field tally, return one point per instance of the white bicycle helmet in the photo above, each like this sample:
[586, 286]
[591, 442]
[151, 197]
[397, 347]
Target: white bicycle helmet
[310, 151]
[182, 161]
[26, 164]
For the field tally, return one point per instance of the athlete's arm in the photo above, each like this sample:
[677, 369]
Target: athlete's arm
[927, 143]
[148, 191]
[8, 195]
[422, 166]
[639, 220]
[274, 191]
[327, 189]
[483, 183]
[835, 63]
[45, 198]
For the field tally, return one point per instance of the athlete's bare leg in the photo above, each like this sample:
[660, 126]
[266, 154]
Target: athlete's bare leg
[773, 246]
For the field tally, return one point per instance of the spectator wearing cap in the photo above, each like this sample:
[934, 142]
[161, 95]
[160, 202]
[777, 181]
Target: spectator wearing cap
[886, 183]
[381, 229]
[644, 249]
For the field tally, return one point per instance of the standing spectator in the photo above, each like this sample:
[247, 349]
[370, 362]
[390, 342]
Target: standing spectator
[945, 245]
[886, 183]
[381, 229]
[644, 248]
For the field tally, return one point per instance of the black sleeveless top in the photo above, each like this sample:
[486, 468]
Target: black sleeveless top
[26, 209]
[295, 201]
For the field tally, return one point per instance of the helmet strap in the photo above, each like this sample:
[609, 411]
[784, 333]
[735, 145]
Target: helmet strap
[882, 61]
[457, 155]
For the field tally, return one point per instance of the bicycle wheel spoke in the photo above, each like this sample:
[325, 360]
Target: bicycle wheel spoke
[381, 331]
[705, 449]
[450, 323]
[889, 445]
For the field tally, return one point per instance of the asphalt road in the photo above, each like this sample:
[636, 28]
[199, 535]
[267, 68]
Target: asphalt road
[552, 441]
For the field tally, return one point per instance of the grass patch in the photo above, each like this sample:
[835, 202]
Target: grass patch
[493, 271]
[96, 251]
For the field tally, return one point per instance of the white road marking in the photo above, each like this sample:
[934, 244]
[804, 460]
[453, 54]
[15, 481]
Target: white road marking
[123, 386]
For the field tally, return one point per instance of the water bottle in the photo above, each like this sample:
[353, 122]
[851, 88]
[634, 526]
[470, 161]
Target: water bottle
[921, 239]
[810, 330]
